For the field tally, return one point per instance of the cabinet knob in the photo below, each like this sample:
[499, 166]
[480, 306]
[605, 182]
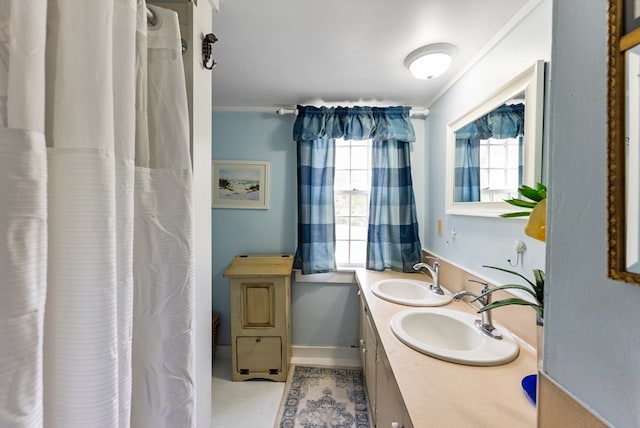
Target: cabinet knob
[258, 339]
[396, 425]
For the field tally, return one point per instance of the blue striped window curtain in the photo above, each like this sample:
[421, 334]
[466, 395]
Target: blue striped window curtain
[393, 238]
[506, 121]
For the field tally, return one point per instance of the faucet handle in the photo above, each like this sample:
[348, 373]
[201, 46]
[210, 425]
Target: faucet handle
[485, 300]
[436, 261]
[485, 285]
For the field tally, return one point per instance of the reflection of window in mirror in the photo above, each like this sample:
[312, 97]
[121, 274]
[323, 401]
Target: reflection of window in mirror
[490, 153]
[500, 168]
[496, 147]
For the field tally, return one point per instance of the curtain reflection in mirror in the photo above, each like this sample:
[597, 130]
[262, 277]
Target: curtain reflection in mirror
[489, 155]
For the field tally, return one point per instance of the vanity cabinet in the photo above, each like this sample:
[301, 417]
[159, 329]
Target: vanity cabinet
[368, 354]
[260, 296]
[385, 400]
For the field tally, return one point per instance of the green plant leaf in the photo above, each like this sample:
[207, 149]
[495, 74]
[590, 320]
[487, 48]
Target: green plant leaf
[516, 214]
[512, 273]
[512, 301]
[530, 193]
[542, 190]
[539, 286]
[521, 203]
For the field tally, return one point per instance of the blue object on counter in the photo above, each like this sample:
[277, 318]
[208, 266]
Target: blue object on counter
[529, 384]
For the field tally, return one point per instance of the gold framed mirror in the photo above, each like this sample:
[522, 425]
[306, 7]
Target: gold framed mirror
[623, 151]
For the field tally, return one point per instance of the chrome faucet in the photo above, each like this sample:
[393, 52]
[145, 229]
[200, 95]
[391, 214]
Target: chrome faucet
[485, 324]
[433, 270]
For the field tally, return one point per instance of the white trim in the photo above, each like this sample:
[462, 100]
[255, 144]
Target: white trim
[531, 81]
[326, 355]
[339, 277]
[493, 42]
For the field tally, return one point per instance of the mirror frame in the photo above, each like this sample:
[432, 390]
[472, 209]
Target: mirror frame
[619, 42]
[531, 81]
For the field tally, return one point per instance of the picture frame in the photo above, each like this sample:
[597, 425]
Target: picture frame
[240, 184]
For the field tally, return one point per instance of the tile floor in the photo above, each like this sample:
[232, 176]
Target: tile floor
[249, 404]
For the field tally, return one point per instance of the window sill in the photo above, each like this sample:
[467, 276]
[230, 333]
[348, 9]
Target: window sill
[346, 276]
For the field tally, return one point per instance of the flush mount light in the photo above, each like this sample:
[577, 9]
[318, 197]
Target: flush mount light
[430, 61]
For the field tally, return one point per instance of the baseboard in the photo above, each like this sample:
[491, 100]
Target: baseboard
[326, 355]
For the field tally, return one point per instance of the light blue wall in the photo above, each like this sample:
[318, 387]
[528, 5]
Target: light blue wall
[479, 240]
[322, 314]
[261, 137]
[592, 342]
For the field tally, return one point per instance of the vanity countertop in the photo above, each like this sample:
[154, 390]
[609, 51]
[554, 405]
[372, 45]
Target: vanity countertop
[442, 394]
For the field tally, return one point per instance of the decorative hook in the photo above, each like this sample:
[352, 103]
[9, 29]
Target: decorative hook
[207, 49]
[519, 247]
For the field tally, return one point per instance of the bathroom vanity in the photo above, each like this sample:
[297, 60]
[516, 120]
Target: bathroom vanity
[260, 316]
[409, 389]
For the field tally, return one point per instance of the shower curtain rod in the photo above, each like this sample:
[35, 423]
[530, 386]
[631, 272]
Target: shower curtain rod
[418, 112]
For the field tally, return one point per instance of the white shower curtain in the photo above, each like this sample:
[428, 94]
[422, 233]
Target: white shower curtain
[96, 264]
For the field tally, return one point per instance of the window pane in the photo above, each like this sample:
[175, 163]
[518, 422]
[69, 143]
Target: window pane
[497, 179]
[359, 205]
[360, 158]
[359, 226]
[341, 204]
[512, 180]
[513, 154]
[359, 180]
[498, 156]
[342, 228]
[358, 252]
[342, 252]
[484, 155]
[342, 180]
[484, 178]
[342, 157]
[353, 171]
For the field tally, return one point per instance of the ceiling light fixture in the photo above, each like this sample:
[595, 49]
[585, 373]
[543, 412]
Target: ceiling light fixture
[430, 61]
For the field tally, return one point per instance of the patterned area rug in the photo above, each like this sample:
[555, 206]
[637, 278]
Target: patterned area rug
[324, 397]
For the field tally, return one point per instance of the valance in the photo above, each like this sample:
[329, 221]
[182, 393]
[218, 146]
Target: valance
[353, 123]
[506, 121]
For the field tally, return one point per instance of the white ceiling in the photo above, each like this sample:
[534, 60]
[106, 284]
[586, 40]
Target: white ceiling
[279, 53]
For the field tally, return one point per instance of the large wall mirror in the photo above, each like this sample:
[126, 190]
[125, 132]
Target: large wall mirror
[624, 140]
[496, 147]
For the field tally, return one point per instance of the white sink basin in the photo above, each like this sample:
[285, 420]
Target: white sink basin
[451, 335]
[409, 292]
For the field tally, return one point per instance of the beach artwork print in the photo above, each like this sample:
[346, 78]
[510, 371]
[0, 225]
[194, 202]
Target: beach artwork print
[239, 184]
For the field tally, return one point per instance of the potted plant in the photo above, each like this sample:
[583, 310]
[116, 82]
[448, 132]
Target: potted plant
[536, 290]
[535, 203]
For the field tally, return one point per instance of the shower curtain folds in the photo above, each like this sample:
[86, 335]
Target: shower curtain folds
[85, 224]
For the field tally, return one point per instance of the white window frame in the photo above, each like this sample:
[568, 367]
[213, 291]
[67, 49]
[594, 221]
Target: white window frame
[349, 264]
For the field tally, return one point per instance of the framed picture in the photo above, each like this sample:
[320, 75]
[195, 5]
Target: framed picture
[240, 184]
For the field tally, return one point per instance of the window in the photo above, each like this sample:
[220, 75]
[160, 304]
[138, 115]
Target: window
[351, 193]
[499, 168]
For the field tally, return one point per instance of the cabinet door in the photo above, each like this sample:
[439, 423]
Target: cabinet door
[371, 345]
[258, 354]
[258, 304]
[362, 333]
[390, 409]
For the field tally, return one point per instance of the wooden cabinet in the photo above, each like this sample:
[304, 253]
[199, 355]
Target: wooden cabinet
[390, 410]
[385, 399]
[260, 316]
[368, 352]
